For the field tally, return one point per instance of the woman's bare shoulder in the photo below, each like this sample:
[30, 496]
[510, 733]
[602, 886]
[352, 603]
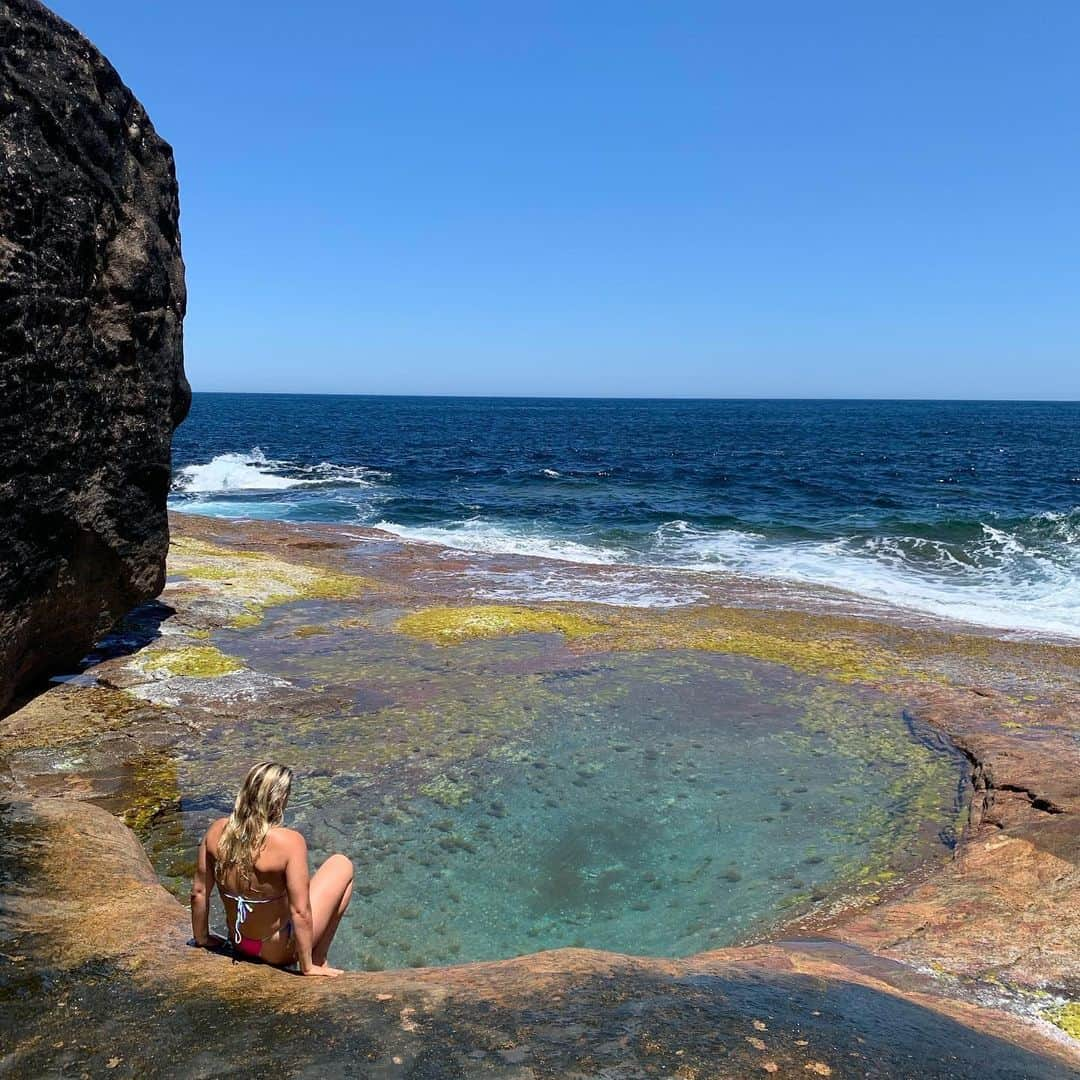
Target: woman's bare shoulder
[213, 834]
[287, 839]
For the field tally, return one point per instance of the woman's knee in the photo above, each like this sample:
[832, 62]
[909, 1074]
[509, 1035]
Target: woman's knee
[342, 864]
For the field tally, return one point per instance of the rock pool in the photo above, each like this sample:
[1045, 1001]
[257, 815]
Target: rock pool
[503, 796]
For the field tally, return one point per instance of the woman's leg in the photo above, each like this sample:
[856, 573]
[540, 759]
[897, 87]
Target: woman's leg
[331, 891]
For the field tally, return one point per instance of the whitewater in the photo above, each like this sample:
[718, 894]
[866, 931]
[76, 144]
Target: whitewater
[1014, 575]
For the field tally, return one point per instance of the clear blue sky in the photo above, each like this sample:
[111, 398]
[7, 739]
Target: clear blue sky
[633, 198]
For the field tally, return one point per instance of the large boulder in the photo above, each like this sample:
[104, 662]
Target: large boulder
[91, 352]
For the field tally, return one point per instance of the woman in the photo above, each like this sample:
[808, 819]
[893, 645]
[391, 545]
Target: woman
[275, 913]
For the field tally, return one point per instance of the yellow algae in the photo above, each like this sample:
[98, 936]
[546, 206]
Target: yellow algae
[846, 648]
[155, 788]
[912, 776]
[258, 580]
[822, 656]
[187, 545]
[309, 631]
[1067, 1017]
[331, 585]
[819, 645]
[197, 661]
[446, 625]
[447, 792]
[842, 659]
[514, 754]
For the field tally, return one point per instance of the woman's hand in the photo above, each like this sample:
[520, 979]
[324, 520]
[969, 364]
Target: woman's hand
[211, 941]
[325, 970]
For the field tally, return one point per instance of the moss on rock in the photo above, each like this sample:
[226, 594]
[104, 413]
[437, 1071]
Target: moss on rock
[446, 625]
[257, 580]
[1067, 1017]
[195, 661]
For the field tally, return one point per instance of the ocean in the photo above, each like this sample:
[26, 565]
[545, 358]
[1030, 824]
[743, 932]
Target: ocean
[968, 510]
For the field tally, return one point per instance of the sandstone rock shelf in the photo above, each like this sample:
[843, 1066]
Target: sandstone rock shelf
[954, 970]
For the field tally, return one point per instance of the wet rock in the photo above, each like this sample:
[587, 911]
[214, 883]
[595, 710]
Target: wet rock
[91, 359]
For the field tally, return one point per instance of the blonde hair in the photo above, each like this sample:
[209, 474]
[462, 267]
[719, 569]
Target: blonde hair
[259, 806]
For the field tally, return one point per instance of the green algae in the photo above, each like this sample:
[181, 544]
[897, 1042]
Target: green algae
[452, 794]
[446, 625]
[912, 777]
[155, 790]
[840, 659]
[1067, 1017]
[257, 580]
[193, 661]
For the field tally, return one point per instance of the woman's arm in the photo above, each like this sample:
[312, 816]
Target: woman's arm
[297, 886]
[200, 899]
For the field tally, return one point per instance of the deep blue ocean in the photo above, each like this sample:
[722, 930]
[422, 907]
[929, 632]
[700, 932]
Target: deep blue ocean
[968, 509]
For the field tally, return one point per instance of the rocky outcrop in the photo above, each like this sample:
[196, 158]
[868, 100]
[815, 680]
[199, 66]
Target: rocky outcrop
[962, 968]
[91, 970]
[91, 356]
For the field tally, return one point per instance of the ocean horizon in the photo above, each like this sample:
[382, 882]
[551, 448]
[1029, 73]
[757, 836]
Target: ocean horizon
[635, 397]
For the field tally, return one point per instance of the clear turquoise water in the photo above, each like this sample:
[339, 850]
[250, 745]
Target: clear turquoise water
[502, 797]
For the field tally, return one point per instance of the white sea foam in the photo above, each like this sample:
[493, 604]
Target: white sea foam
[254, 471]
[623, 587]
[233, 472]
[1003, 581]
[475, 534]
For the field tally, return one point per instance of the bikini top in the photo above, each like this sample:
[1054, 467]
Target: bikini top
[244, 906]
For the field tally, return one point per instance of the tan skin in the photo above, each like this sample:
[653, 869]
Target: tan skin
[315, 905]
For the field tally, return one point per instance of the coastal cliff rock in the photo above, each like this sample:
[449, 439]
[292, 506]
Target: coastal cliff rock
[92, 385]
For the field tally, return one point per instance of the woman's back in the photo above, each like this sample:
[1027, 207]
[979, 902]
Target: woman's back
[263, 890]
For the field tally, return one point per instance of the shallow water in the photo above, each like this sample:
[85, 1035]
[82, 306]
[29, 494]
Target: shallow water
[501, 797]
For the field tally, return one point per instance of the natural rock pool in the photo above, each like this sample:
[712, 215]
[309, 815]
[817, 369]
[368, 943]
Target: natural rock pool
[504, 796]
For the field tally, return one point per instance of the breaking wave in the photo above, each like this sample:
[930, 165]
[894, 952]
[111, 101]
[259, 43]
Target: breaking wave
[254, 471]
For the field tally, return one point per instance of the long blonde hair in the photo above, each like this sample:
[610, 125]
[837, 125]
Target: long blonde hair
[258, 808]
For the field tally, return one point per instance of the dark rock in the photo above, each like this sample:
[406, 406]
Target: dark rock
[91, 354]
